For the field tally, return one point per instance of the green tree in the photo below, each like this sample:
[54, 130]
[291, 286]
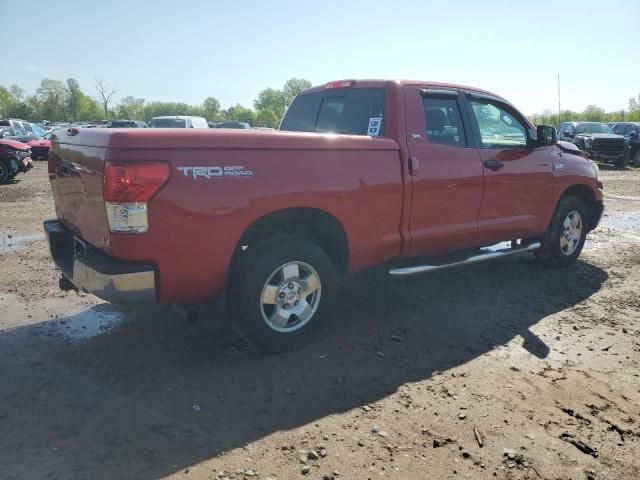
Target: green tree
[634, 109]
[6, 100]
[293, 87]
[271, 99]
[211, 108]
[238, 113]
[267, 118]
[89, 109]
[74, 96]
[17, 92]
[131, 108]
[593, 114]
[51, 97]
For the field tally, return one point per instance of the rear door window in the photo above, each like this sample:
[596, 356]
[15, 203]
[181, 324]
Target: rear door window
[352, 111]
[443, 121]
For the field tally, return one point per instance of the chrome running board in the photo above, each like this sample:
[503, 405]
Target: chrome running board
[486, 253]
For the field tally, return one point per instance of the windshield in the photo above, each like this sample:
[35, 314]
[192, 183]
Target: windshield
[168, 123]
[352, 111]
[593, 128]
[37, 131]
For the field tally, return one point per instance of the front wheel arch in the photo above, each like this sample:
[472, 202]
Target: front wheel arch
[588, 197]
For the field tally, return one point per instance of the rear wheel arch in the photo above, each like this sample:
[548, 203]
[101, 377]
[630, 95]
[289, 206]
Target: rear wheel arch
[312, 224]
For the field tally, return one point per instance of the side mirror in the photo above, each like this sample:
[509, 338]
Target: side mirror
[633, 135]
[568, 134]
[546, 135]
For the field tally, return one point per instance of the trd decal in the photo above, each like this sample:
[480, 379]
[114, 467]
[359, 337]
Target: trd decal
[235, 171]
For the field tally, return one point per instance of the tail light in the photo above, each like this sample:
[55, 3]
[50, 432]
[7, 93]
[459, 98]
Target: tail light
[127, 189]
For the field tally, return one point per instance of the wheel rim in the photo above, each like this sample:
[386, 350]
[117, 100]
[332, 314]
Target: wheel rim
[571, 233]
[290, 297]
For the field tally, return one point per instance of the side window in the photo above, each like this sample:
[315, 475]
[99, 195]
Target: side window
[443, 121]
[189, 124]
[561, 130]
[628, 131]
[498, 127]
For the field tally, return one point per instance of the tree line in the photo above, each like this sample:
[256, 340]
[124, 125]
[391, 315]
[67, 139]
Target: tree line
[591, 113]
[58, 101]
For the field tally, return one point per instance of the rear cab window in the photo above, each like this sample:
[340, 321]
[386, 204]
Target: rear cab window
[350, 111]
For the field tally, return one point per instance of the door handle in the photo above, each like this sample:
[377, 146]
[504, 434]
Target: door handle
[414, 166]
[493, 164]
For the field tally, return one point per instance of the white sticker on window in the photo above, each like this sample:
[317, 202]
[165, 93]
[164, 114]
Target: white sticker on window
[374, 126]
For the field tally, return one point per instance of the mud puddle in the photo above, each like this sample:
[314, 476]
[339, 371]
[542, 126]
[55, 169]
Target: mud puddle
[11, 243]
[624, 227]
[98, 320]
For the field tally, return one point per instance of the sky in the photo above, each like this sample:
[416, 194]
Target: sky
[188, 50]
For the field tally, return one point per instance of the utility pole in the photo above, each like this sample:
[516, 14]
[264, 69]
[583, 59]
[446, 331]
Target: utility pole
[558, 100]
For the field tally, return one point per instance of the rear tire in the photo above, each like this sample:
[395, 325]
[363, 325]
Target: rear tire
[284, 293]
[4, 172]
[564, 239]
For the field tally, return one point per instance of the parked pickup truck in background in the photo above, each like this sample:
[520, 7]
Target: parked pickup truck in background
[598, 140]
[267, 223]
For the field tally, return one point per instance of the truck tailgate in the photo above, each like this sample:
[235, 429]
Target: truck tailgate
[76, 176]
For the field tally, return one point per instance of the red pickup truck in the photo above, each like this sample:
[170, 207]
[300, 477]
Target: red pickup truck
[266, 223]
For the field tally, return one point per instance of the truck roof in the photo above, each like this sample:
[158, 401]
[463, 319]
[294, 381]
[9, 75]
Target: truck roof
[381, 83]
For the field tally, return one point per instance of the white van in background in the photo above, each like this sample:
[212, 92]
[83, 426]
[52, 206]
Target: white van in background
[178, 121]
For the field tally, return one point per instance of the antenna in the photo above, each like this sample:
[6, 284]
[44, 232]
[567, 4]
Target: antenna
[558, 100]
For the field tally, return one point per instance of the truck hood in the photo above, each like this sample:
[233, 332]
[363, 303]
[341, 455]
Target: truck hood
[181, 138]
[13, 144]
[608, 136]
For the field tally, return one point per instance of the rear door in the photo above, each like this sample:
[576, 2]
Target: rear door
[517, 178]
[446, 172]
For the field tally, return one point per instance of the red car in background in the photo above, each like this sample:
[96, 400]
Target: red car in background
[36, 138]
[14, 158]
[40, 147]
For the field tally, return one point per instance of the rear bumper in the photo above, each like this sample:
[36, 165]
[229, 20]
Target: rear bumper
[94, 272]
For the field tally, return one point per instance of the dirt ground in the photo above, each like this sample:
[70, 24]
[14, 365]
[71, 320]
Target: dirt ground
[505, 370]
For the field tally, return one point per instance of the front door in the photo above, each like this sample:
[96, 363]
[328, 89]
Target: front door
[446, 172]
[517, 178]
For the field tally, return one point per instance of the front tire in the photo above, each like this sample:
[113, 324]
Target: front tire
[285, 292]
[636, 158]
[565, 237]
